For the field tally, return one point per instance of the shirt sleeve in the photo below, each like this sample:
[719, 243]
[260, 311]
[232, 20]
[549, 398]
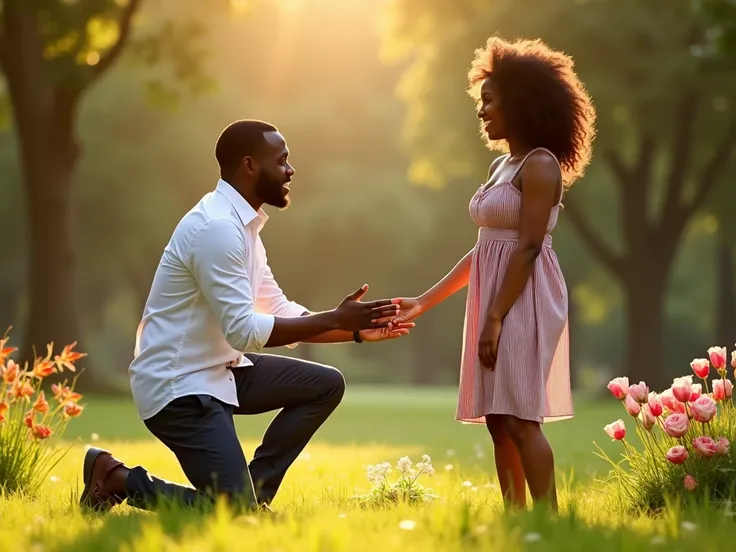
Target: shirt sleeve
[217, 258]
[272, 300]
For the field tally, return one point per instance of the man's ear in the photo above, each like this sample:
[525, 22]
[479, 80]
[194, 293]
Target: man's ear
[249, 165]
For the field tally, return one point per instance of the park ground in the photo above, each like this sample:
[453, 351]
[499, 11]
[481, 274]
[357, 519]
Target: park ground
[316, 511]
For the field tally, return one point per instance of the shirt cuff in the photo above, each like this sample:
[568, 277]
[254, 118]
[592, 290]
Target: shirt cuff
[264, 327]
[294, 309]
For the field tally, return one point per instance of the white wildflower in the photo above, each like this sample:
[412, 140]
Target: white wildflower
[379, 472]
[532, 537]
[404, 466]
[407, 525]
[467, 484]
[425, 466]
[449, 467]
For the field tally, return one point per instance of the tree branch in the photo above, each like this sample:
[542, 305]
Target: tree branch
[710, 174]
[124, 26]
[603, 251]
[622, 172]
[685, 114]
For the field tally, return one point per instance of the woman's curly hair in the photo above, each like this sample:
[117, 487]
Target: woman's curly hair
[543, 102]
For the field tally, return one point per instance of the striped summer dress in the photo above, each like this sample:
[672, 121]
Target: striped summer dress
[532, 376]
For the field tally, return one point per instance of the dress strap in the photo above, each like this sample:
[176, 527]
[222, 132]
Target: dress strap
[516, 172]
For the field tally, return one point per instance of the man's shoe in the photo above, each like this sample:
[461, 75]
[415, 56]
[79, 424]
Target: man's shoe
[98, 465]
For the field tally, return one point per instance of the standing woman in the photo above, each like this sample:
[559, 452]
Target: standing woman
[515, 372]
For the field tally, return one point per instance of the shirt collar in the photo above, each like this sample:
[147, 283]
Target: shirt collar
[244, 209]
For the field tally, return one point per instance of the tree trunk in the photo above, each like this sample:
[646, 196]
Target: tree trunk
[44, 116]
[725, 293]
[645, 352]
[51, 269]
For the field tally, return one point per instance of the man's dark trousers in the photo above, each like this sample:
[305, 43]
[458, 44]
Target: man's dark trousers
[200, 431]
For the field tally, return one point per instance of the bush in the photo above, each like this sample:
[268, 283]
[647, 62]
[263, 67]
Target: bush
[30, 426]
[686, 432]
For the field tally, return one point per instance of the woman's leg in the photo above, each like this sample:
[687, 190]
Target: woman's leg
[536, 458]
[508, 463]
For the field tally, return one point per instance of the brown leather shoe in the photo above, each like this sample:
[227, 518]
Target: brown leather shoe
[98, 464]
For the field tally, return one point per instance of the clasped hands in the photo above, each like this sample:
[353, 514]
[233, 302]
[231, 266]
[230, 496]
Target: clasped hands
[392, 324]
[409, 308]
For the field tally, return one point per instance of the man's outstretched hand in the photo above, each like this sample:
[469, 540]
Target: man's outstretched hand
[353, 315]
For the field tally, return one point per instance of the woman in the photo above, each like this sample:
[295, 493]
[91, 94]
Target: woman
[515, 371]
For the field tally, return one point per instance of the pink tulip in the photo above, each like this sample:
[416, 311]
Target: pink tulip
[681, 388]
[676, 425]
[619, 387]
[632, 407]
[616, 430]
[647, 418]
[704, 446]
[639, 392]
[654, 404]
[704, 409]
[695, 391]
[701, 367]
[677, 454]
[723, 446]
[671, 403]
[717, 357]
[722, 389]
[690, 483]
[733, 359]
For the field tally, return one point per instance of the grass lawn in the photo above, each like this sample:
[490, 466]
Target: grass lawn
[317, 514]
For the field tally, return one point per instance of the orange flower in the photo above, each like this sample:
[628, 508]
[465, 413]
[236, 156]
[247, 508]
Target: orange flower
[3, 409]
[5, 352]
[29, 418]
[72, 410]
[9, 372]
[43, 367]
[64, 393]
[22, 390]
[40, 431]
[41, 405]
[67, 358]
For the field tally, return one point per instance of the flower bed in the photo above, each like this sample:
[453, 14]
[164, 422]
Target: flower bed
[686, 432]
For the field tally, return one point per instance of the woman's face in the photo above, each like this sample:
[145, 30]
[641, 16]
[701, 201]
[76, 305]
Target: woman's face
[490, 113]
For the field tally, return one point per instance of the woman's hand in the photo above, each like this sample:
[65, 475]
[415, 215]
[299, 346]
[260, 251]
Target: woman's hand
[409, 309]
[488, 343]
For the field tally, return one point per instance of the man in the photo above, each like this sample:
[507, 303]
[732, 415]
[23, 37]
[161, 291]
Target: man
[214, 306]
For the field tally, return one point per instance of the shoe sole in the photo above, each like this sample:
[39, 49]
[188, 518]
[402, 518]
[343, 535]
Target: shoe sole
[89, 463]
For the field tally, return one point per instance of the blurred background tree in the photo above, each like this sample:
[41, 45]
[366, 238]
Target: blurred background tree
[371, 98]
[666, 130]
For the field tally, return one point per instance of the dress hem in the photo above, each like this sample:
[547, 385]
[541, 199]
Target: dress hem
[541, 420]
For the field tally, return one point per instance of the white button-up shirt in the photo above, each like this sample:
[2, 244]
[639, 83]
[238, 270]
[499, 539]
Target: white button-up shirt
[213, 298]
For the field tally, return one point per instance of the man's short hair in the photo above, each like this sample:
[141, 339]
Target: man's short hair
[238, 140]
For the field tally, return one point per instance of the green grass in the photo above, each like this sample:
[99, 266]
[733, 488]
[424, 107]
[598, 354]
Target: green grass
[317, 513]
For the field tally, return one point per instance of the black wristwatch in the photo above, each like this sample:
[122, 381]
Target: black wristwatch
[356, 337]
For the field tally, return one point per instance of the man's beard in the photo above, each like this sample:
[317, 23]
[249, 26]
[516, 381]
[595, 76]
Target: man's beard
[270, 191]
